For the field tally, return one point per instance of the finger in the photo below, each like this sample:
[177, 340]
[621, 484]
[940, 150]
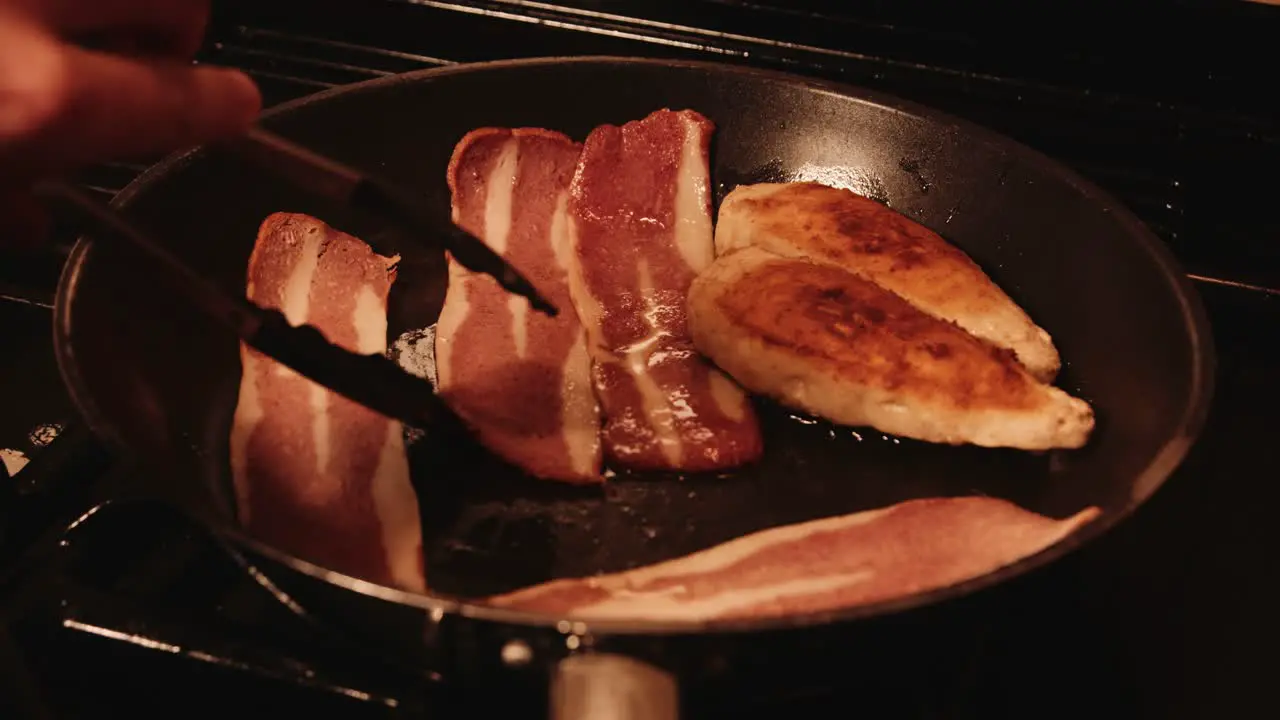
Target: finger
[161, 27]
[69, 106]
[24, 224]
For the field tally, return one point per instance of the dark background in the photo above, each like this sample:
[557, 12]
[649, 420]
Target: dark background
[1170, 106]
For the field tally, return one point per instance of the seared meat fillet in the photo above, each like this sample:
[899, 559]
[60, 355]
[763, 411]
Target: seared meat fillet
[832, 343]
[838, 227]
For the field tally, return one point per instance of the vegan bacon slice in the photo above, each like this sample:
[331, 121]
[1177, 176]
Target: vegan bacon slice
[522, 379]
[641, 210]
[817, 566]
[316, 474]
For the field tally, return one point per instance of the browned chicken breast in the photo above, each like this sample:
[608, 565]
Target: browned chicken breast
[838, 227]
[834, 344]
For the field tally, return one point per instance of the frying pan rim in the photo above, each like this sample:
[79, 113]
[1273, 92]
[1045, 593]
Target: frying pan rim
[1156, 473]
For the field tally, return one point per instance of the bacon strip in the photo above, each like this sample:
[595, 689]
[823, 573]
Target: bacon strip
[522, 379]
[817, 566]
[316, 474]
[641, 212]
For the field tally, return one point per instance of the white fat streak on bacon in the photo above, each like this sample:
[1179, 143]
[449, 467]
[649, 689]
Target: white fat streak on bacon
[497, 201]
[497, 230]
[394, 499]
[293, 304]
[821, 565]
[669, 604]
[666, 407]
[693, 227]
[580, 413]
[396, 503]
[728, 397]
[496, 227]
[297, 289]
[328, 485]
[661, 407]
[248, 414]
[484, 332]
[693, 203]
[457, 305]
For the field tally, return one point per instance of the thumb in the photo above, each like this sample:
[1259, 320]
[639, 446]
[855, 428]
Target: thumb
[68, 106]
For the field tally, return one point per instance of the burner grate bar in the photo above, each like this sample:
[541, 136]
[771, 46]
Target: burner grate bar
[289, 65]
[1151, 178]
[1151, 193]
[110, 192]
[277, 88]
[247, 56]
[231, 655]
[818, 56]
[552, 22]
[294, 79]
[1236, 285]
[289, 78]
[256, 33]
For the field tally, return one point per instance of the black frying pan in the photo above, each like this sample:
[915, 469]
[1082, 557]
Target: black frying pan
[150, 373]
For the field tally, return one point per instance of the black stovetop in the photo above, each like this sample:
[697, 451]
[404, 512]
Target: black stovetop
[1167, 616]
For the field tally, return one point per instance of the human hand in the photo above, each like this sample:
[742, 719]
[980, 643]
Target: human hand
[83, 81]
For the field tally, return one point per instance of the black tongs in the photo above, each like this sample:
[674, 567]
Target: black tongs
[364, 191]
[374, 381]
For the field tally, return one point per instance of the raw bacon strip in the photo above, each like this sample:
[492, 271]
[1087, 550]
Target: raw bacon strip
[811, 567]
[642, 221]
[316, 474]
[522, 379]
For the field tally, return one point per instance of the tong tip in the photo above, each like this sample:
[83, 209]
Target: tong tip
[517, 284]
[466, 248]
[543, 306]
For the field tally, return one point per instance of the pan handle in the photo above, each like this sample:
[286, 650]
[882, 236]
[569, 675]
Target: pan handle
[606, 686]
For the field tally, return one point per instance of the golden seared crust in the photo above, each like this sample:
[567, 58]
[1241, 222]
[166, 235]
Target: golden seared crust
[864, 334]
[834, 344]
[840, 228]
